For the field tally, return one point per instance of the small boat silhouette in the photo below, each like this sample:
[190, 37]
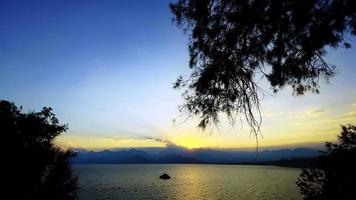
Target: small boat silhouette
[164, 176]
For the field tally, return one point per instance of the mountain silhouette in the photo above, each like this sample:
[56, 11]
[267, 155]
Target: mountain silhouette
[175, 154]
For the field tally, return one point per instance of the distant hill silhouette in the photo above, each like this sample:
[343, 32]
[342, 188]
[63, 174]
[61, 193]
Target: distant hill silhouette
[176, 154]
[297, 162]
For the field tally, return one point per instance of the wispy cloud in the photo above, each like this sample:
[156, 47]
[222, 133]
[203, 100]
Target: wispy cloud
[315, 111]
[272, 114]
[141, 137]
[165, 141]
[347, 116]
[351, 114]
[115, 137]
[311, 114]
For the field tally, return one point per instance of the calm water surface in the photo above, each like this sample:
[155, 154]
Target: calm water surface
[189, 182]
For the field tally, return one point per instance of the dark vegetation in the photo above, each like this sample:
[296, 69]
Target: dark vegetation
[234, 44]
[35, 167]
[335, 174]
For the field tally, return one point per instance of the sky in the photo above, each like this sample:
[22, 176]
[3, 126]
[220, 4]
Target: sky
[107, 69]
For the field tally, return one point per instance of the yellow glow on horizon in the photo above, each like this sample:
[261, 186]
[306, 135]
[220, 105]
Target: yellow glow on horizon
[97, 143]
[189, 143]
[312, 125]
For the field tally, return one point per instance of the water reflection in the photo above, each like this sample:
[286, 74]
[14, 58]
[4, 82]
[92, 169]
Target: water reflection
[188, 182]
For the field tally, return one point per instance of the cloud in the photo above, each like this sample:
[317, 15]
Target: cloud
[351, 114]
[272, 114]
[115, 138]
[317, 115]
[165, 141]
[141, 137]
[315, 111]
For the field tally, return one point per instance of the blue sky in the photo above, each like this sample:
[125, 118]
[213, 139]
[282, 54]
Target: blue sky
[107, 68]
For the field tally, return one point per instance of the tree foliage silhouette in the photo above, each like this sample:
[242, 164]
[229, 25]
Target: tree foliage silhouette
[335, 176]
[38, 169]
[234, 43]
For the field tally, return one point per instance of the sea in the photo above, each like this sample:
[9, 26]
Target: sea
[188, 182]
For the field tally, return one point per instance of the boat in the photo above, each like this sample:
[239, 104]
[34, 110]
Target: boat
[164, 176]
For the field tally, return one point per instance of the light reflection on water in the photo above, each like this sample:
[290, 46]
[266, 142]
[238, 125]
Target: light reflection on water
[189, 182]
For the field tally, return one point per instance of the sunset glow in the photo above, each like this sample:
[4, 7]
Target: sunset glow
[112, 84]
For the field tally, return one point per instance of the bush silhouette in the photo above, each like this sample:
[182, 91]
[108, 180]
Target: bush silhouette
[37, 169]
[335, 176]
